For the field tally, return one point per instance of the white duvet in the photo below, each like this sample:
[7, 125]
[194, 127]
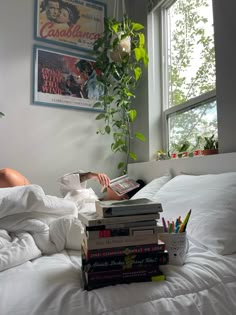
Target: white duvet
[50, 285]
[32, 224]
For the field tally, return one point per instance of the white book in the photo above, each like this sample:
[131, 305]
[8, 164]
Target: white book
[94, 219]
[110, 208]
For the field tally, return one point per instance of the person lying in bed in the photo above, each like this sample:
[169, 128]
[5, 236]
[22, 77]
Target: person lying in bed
[70, 184]
[74, 183]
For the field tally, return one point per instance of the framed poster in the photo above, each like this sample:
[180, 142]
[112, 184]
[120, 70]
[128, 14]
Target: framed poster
[71, 23]
[64, 79]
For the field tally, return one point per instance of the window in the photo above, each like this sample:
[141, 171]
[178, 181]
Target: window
[188, 73]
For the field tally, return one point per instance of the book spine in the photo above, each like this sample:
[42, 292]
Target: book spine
[115, 232]
[125, 250]
[120, 275]
[91, 221]
[126, 262]
[125, 225]
[107, 212]
[119, 241]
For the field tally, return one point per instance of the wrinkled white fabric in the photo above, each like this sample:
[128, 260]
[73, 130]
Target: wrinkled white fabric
[205, 284]
[73, 189]
[32, 223]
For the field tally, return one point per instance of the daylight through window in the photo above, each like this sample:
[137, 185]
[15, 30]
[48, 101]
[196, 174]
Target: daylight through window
[189, 100]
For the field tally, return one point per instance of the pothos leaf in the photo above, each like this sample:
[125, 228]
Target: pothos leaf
[108, 129]
[133, 156]
[100, 116]
[137, 26]
[140, 136]
[132, 114]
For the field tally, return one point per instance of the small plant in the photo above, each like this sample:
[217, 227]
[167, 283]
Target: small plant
[181, 147]
[210, 143]
[161, 155]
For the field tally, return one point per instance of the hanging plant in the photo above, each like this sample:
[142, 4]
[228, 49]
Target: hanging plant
[120, 56]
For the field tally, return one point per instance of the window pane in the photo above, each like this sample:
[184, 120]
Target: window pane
[187, 126]
[191, 54]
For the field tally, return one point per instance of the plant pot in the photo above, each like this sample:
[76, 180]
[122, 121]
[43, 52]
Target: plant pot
[209, 151]
[122, 49]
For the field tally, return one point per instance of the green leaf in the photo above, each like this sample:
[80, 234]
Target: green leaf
[115, 27]
[100, 116]
[120, 165]
[132, 114]
[107, 129]
[140, 136]
[137, 73]
[97, 104]
[118, 144]
[141, 40]
[137, 26]
[2, 114]
[138, 53]
[133, 156]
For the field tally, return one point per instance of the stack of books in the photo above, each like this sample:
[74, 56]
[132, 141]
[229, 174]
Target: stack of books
[120, 243]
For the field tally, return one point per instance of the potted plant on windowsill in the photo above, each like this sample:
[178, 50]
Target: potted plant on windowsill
[120, 56]
[210, 146]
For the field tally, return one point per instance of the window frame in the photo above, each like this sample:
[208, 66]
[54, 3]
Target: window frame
[160, 12]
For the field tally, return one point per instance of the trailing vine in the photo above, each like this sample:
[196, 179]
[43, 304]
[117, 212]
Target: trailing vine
[120, 57]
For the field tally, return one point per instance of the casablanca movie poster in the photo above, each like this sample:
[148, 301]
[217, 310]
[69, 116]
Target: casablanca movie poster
[72, 23]
[65, 80]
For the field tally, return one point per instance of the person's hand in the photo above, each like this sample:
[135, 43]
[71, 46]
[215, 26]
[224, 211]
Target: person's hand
[102, 178]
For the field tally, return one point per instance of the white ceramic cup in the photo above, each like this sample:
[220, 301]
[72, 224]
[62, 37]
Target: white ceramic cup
[176, 245]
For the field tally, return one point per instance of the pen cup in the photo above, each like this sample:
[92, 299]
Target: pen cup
[176, 245]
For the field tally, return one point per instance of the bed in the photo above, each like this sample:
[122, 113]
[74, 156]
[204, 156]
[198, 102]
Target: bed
[46, 278]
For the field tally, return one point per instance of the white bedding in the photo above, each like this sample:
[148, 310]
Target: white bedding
[40, 275]
[32, 224]
[50, 285]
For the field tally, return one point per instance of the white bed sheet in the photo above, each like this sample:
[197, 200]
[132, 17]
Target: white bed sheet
[51, 285]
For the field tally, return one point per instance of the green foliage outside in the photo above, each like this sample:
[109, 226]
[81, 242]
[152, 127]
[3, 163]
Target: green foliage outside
[120, 79]
[187, 81]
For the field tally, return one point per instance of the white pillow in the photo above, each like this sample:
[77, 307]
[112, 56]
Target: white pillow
[212, 199]
[150, 190]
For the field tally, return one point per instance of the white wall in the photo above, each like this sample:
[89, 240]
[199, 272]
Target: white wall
[225, 42]
[44, 142]
[39, 141]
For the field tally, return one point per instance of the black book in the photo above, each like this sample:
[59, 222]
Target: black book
[127, 262]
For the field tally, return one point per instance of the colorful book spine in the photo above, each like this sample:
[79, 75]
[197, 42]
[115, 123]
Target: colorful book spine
[123, 250]
[125, 262]
[132, 231]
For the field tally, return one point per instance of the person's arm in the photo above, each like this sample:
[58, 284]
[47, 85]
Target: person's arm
[102, 178]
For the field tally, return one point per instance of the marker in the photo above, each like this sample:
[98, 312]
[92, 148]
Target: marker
[184, 224]
[177, 229]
